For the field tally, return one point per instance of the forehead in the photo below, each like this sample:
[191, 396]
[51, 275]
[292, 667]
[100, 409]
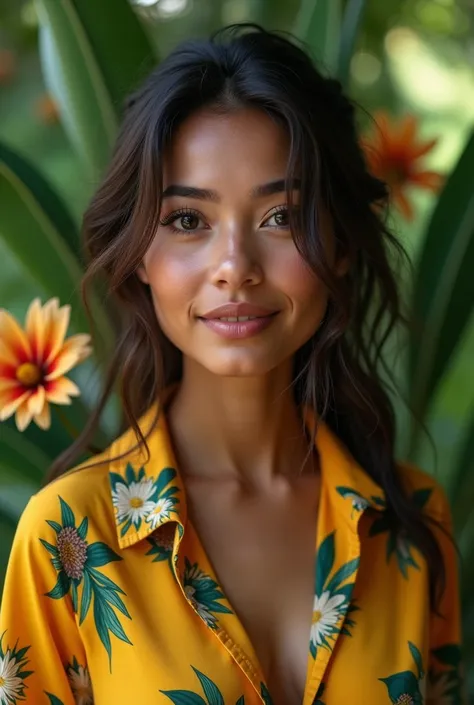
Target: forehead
[244, 147]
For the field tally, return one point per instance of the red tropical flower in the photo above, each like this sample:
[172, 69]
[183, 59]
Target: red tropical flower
[394, 154]
[33, 363]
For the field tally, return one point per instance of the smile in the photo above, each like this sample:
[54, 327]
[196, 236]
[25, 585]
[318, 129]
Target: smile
[239, 327]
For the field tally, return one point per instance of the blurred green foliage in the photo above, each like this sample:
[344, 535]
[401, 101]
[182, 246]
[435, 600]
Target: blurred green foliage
[410, 56]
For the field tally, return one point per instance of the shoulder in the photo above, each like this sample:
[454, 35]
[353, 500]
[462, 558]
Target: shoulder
[425, 490]
[80, 497]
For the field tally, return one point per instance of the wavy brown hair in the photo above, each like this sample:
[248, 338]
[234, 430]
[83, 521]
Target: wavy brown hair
[340, 371]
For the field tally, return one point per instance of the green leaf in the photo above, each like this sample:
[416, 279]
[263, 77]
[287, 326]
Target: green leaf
[443, 292]
[417, 658]
[420, 497]
[90, 69]
[318, 23]
[99, 554]
[49, 547]
[183, 697]
[164, 478]
[461, 480]
[67, 515]
[211, 691]
[54, 525]
[21, 457]
[40, 231]
[61, 588]
[104, 581]
[14, 498]
[324, 562]
[53, 700]
[82, 529]
[344, 572]
[106, 620]
[86, 597]
[449, 655]
[115, 600]
[351, 23]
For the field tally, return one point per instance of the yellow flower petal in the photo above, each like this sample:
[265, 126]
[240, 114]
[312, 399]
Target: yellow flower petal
[35, 330]
[43, 420]
[59, 390]
[10, 400]
[13, 338]
[23, 417]
[36, 400]
[71, 354]
[57, 325]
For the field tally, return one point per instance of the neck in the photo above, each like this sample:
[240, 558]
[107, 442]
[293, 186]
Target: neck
[231, 427]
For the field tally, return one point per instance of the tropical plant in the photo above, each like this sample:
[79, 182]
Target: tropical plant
[93, 54]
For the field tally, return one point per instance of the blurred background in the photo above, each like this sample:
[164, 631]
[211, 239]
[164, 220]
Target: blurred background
[407, 57]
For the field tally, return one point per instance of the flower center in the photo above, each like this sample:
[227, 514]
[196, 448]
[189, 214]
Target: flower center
[2, 681]
[136, 502]
[72, 552]
[29, 374]
[317, 616]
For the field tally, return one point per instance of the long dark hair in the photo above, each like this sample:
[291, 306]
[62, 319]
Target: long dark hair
[340, 370]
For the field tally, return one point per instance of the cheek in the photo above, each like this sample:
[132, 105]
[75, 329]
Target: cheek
[307, 293]
[172, 278]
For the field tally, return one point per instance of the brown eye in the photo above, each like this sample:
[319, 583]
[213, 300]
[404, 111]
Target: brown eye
[279, 219]
[189, 221]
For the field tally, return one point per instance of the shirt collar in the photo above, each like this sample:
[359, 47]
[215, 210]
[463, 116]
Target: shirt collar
[148, 492]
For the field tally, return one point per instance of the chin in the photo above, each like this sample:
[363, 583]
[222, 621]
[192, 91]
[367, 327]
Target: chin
[238, 366]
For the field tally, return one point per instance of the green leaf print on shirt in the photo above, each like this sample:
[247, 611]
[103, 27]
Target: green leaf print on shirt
[445, 677]
[53, 700]
[319, 695]
[76, 562]
[13, 662]
[138, 498]
[203, 592]
[265, 694]
[332, 596]
[398, 542]
[189, 697]
[404, 687]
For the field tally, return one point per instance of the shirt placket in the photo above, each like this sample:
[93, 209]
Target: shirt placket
[191, 567]
[340, 543]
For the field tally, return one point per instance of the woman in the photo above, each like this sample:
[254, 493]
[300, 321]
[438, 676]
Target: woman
[249, 537]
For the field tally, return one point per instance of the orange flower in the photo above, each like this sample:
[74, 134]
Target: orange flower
[33, 363]
[394, 154]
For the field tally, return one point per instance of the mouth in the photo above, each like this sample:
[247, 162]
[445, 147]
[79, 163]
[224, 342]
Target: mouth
[239, 327]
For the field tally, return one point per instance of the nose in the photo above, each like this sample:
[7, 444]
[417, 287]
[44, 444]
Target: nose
[236, 260]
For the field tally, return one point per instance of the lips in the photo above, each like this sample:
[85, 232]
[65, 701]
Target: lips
[236, 312]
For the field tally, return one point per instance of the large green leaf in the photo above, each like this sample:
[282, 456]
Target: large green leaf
[461, 480]
[350, 28]
[93, 55]
[443, 295]
[318, 23]
[38, 228]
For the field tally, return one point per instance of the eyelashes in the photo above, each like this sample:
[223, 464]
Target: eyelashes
[169, 220]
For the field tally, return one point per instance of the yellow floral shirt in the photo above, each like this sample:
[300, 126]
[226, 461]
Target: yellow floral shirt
[110, 598]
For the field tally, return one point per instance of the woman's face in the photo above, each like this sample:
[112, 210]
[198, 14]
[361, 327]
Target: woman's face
[224, 239]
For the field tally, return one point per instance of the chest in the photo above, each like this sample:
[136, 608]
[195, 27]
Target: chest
[262, 550]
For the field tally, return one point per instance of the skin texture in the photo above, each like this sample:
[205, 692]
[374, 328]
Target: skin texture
[238, 435]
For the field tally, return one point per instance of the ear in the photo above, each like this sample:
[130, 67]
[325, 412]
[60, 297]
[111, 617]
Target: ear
[141, 273]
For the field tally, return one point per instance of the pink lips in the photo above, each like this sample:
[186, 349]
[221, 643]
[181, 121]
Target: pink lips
[260, 318]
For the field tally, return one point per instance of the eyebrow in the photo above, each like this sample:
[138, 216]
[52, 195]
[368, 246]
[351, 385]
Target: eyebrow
[204, 194]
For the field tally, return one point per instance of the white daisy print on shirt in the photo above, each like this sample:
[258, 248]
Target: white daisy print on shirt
[139, 498]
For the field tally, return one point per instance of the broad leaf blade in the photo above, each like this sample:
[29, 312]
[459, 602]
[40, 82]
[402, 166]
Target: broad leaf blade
[351, 22]
[444, 288]
[93, 55]
[318, 24]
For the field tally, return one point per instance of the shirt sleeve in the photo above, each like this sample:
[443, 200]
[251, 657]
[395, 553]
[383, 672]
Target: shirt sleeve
[445, 673]
[42, 658]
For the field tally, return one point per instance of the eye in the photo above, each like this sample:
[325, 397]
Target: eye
[188, 219]
[281, 218]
